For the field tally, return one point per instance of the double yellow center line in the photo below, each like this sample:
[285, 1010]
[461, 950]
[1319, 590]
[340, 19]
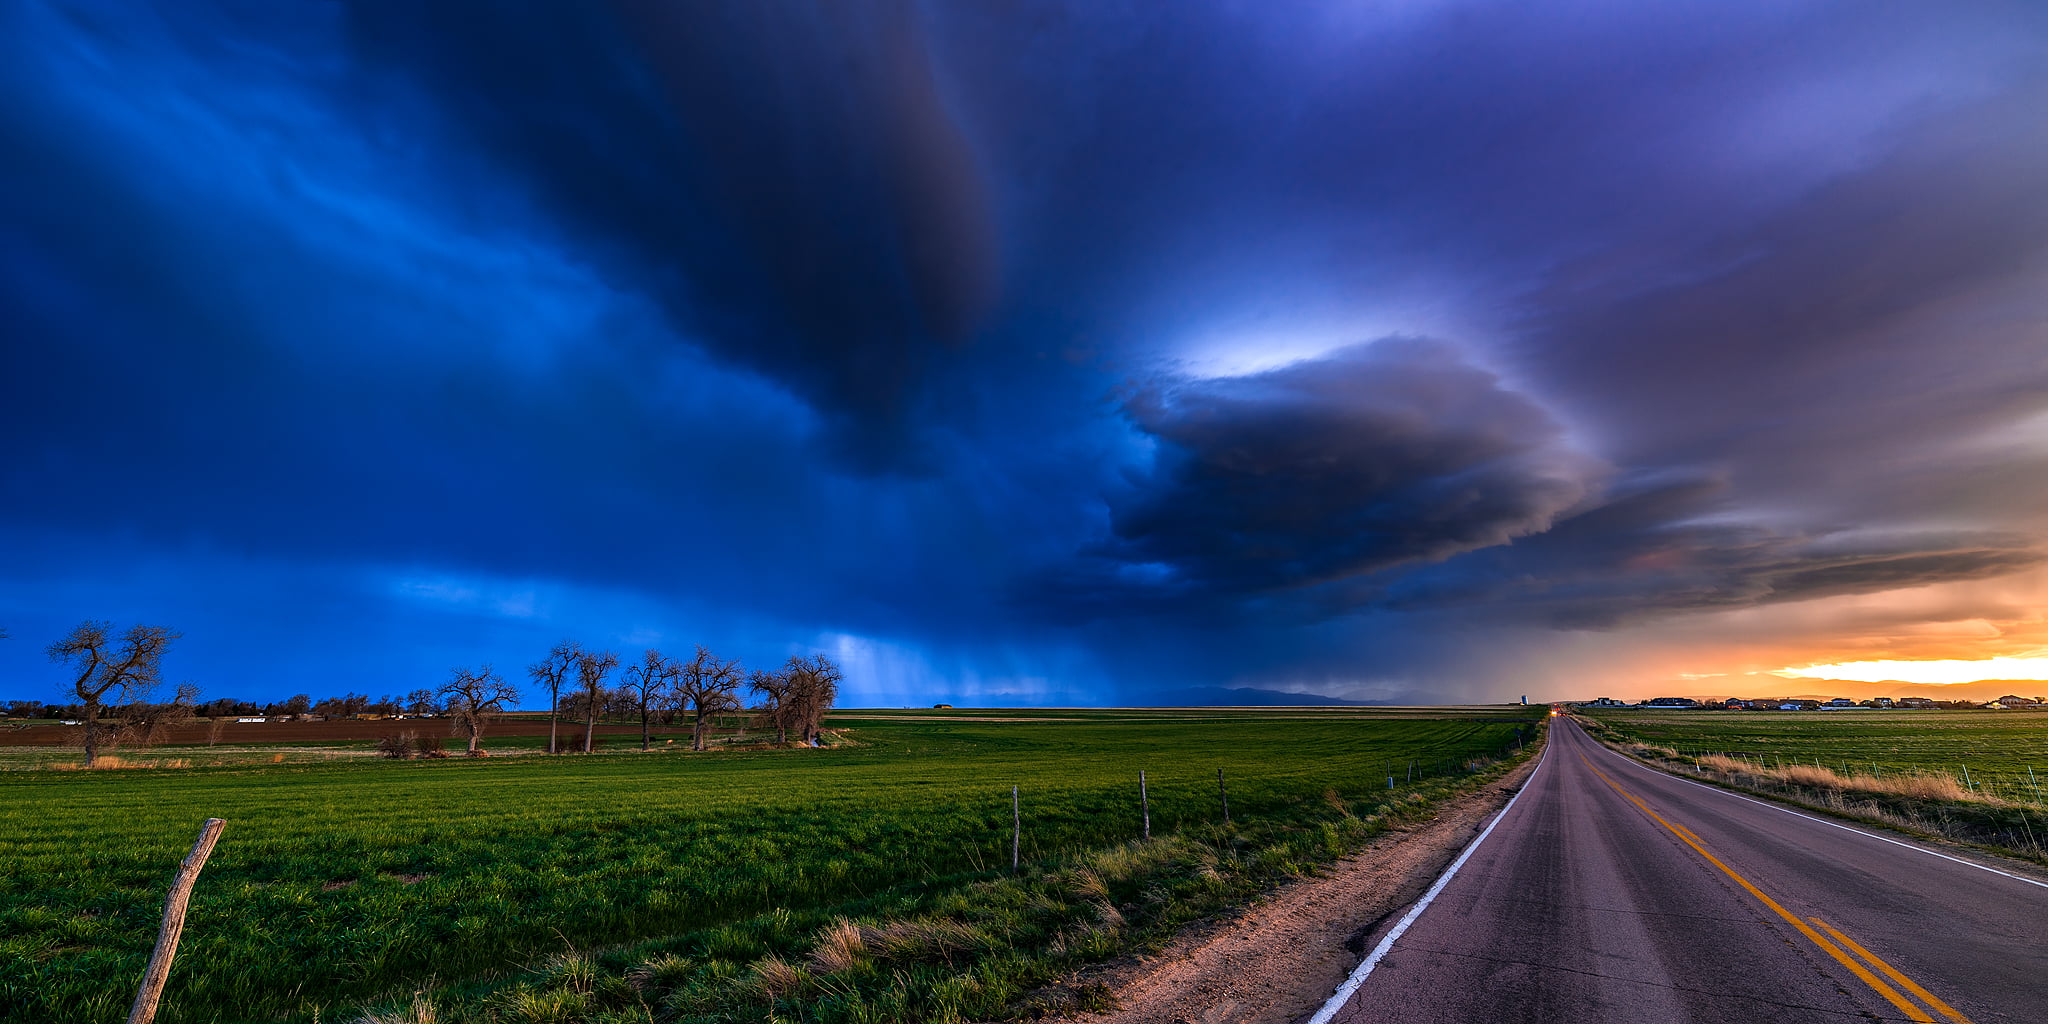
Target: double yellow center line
[1834, 943]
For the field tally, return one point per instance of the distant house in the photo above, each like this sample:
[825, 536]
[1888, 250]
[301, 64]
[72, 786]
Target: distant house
[1839, 702]
[1878, 702]
[2011, 702]
[252, 719]
[1792, 705]
[1603, 702]
[1671, 702]
[1916, 702]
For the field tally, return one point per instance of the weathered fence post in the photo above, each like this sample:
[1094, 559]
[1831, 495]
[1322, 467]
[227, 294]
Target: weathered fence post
[1144, 804]
[1016, 829]
[144, 1010]
[1224, 795]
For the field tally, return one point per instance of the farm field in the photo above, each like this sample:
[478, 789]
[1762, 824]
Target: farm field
[1995, 749]
[355, 880]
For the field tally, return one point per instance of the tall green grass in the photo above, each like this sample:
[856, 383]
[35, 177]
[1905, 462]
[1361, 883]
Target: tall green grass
[345, 882]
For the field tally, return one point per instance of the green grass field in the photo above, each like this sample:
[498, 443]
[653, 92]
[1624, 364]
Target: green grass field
[356, 880]
[1995, 749]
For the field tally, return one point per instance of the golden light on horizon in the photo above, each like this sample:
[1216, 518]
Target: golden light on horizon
[1931, 673]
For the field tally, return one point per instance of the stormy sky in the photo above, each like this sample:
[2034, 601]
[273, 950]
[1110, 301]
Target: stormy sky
[1027, 351]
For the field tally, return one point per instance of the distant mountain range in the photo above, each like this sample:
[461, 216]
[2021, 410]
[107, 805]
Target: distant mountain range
[1242, 696]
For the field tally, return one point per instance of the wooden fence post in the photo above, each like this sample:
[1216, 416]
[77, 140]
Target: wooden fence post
[1144, 804]
[1016, 829]
[1223, 795]
[144, 1010]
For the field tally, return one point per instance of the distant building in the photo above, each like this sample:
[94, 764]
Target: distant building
[1840, 702]
[1671, 702]
[1603, 702]
[1916, 702]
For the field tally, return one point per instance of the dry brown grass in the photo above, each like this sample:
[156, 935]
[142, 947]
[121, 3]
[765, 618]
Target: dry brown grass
[1336, 802]
[420, 1011]
[841, 946]
[1917, 786]
[111, 763]
[1088, 885]
[923, 938]
[774, 977]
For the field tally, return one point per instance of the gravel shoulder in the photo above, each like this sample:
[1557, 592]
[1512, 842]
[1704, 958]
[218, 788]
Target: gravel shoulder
[1277, 960]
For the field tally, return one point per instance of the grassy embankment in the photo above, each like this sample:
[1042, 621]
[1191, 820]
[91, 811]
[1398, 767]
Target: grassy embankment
[864, 883]
[1971, 776]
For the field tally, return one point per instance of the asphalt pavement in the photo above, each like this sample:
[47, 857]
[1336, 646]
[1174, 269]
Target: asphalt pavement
[1609, 891]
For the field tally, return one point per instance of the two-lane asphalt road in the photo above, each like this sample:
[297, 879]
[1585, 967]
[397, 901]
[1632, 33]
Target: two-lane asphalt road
[1612, 892]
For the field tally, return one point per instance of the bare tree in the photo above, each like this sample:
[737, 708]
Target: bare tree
[591, 668]
[145, 724]
[774, 688]
[814, 688]
[646, 687]
[553, 673]
[473, 697]
[707, 686]
[110, 672]
[421, 702]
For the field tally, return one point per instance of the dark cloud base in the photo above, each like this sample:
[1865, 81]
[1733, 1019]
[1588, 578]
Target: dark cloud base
[803, 324]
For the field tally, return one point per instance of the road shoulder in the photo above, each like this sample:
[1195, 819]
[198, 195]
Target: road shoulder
[1277, 960]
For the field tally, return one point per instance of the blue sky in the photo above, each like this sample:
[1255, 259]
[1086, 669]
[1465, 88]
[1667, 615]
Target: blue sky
[1033, 352]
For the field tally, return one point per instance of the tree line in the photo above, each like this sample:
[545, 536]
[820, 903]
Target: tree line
[790, 699]
[113, 677]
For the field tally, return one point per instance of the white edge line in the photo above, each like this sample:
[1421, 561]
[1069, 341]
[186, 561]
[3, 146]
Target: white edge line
[1345, 991]
[1823, 821]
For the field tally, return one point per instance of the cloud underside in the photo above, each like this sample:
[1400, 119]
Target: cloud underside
[826, 316]
[1396, 476]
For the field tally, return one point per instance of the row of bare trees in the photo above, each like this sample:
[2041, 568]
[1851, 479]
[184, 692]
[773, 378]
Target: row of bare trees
[793, 699]
[111, 671]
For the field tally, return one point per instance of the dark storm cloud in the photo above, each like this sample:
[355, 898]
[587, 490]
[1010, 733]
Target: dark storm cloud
[1372, 457]
[787, 180]
[808, 314]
